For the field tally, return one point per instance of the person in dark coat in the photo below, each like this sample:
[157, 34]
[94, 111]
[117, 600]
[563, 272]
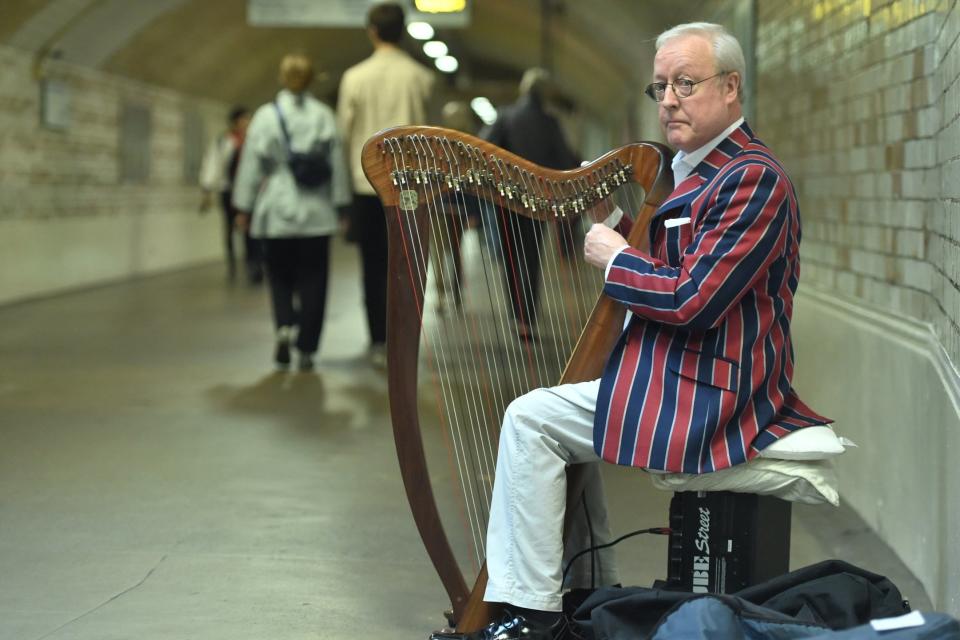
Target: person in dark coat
[528, 130]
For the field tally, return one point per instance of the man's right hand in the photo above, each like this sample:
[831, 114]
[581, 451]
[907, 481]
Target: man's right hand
[600, 244]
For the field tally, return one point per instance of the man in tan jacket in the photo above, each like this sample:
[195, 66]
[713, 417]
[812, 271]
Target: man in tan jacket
[387, 89]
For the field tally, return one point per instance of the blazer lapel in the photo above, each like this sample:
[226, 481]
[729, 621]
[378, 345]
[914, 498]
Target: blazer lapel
[683, 194]
[703, 173]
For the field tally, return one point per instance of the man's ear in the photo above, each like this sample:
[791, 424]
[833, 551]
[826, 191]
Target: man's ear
[732, 84]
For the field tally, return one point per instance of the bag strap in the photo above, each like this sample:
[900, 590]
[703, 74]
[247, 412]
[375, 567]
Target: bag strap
[283, 125]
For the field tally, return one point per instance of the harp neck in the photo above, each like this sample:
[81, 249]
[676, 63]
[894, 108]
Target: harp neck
[402, 160]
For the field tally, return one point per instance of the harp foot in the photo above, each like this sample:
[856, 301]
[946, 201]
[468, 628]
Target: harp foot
[451, 621]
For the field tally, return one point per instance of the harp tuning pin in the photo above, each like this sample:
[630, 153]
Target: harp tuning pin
[525, 201]
[502, 189]
[393, 175]
[606, 188]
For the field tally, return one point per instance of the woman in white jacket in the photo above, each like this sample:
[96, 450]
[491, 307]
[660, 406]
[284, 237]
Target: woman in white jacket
[294, 218]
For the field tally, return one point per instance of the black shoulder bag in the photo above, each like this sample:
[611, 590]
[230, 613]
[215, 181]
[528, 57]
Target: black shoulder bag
[310, 169]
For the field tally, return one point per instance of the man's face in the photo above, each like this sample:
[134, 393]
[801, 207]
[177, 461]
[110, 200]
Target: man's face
[241, 123]
[689, 123]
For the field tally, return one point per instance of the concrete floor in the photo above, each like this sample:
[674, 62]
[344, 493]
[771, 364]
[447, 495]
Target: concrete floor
[159, 480]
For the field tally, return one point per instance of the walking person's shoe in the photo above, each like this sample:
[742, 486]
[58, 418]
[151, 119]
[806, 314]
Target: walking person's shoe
[282, 353]
[378, 355]
[305, 362]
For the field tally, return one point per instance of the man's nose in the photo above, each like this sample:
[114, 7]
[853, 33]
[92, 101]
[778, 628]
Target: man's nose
[669, 98]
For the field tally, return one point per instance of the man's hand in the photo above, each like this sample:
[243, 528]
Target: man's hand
[600, 244]
[242, 221]
[205, 202]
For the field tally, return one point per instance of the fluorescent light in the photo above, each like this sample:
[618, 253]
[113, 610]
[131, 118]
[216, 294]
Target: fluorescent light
[420, 30]
[440, 6]
[484, 109]
[480, 102]
[435, 48]
[447, 64]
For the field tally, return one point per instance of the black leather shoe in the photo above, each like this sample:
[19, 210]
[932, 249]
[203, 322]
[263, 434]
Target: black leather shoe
[510, 628]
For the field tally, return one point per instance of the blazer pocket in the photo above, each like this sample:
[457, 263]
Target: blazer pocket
[686, 236]
[716, 372]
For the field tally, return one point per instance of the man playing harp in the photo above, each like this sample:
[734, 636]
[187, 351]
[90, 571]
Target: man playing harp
[700, 378]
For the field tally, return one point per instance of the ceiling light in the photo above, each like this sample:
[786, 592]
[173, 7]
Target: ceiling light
[447, 64]
[440, 6]
[435, 48]
[420, 30]
[484, 109]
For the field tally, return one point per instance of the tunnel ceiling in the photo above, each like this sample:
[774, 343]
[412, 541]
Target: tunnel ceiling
[204, 48]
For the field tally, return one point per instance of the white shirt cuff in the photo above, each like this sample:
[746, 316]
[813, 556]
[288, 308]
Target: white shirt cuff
[606, 272]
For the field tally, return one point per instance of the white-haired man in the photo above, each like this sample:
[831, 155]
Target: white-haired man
[699, 380]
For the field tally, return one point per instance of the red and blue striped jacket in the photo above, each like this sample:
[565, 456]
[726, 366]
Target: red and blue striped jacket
[700, 378]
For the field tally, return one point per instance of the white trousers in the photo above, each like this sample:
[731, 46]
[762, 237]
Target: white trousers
[544, 431]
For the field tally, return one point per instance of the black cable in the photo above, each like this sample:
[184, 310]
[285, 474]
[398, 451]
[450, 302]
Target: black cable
[661, 531]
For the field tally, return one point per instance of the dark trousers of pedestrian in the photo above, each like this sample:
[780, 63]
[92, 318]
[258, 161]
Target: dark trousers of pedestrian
[252, 253]
[521, 241]
[297, 271]
[368, 228]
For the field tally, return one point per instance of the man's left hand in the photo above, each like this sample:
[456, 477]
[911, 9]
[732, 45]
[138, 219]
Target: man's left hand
[600, 244]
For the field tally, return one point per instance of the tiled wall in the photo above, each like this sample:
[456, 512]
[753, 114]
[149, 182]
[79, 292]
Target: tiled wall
[859, 98]
[67, 218]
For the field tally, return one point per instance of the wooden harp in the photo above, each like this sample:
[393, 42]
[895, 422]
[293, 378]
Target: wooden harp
[455, 372]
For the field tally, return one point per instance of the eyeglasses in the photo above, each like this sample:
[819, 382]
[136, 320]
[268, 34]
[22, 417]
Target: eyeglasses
[682, 87]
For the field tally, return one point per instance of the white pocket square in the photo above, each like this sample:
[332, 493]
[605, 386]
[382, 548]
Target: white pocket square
[675, 222]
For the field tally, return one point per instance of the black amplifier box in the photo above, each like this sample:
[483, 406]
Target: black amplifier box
[722, 542]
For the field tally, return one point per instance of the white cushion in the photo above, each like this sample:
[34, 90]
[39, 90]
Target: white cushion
[807, 481]
[808, 443]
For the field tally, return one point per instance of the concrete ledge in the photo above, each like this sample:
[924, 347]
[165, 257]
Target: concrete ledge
[891, 387]
[46, 256]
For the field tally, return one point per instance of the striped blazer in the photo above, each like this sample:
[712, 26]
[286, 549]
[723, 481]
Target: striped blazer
[700, 378]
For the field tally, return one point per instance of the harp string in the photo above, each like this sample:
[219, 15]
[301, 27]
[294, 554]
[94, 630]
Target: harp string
[467, 360]
[462, 403]
[473, 376]
[415, 257]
